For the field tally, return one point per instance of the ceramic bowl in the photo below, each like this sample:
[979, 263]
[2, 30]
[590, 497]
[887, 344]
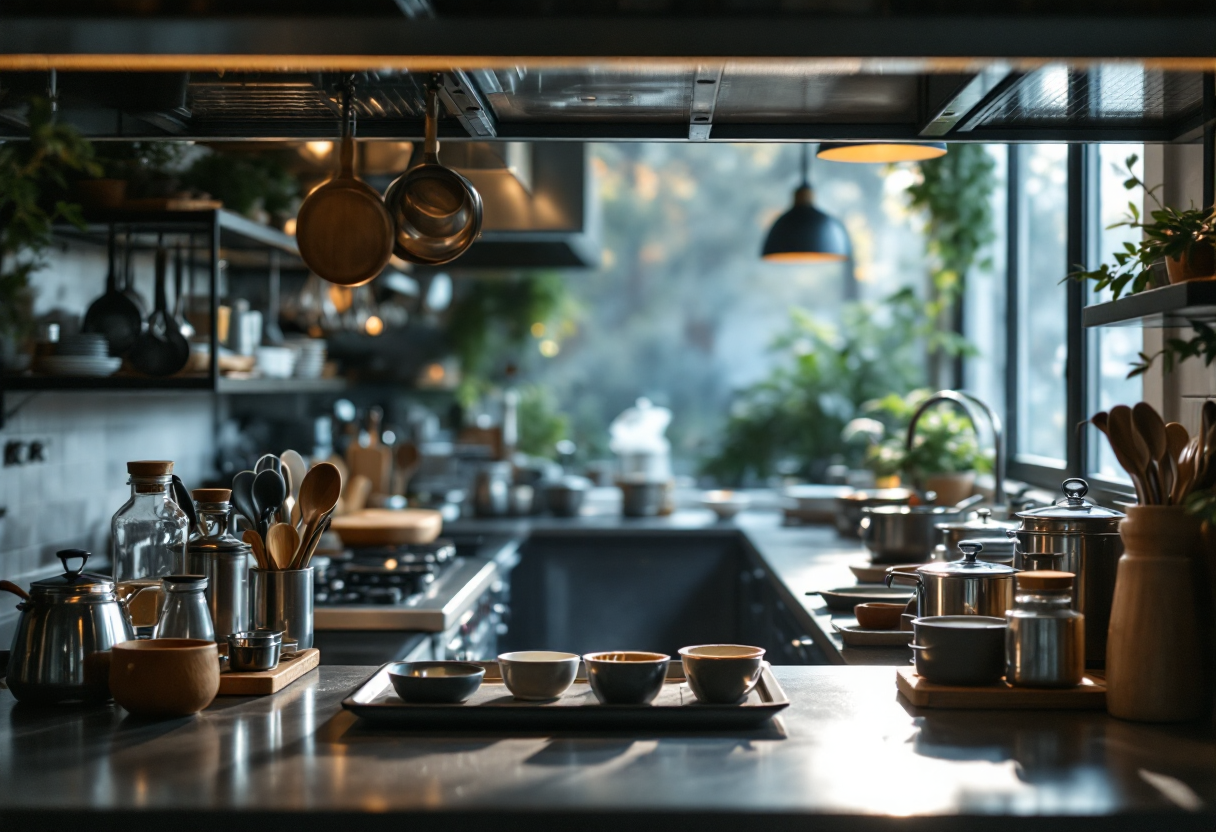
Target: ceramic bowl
[725, 504]
[435, 682]
[878, 616]
[722, 673]
[959, 649]
[165, 677]
[626, 678]
[537, 675]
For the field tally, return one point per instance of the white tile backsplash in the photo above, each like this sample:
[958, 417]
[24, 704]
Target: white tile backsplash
[67, 501]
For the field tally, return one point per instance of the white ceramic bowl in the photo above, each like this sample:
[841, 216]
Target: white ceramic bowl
[276, 362]
[725, 504]
[538, 675]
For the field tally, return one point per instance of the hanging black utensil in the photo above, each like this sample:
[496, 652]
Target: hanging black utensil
[161, 350]
[113, 314]
[128, 278]
[179, 299]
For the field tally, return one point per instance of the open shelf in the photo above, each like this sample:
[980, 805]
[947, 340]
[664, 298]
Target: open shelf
[1167, 306]
[254, 386]
[235, 231]
[104, 383]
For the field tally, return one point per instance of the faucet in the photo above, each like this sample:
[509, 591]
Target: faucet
[969, 404]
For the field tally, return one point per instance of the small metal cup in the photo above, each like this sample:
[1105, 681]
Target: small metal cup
[254, 651]
[282, 602]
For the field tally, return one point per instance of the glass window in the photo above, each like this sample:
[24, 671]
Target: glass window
[1042, 303]
[984, 301]
[1112, 349]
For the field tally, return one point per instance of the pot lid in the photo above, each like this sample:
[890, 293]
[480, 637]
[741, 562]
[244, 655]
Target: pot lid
[969, 566]
[73, 581]
[1072, 510]
[982, 524]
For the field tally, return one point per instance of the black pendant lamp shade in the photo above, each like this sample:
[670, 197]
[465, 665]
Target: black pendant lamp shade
[881, 151]
[804, 234]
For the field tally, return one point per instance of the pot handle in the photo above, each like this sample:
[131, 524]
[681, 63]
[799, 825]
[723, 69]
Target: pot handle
[66, 555]
[9, 586]
[902, 578]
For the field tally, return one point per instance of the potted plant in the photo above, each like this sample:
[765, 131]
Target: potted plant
[945, 455]
[33, 180]
[1184, 240]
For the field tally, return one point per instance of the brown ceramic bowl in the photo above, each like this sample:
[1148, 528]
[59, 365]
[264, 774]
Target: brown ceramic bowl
[165, 677]
[722, 673]
[878, 616]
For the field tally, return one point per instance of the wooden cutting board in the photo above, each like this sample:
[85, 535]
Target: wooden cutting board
[265, 682]
[373, 460]
[1090, 694]
[388, 527]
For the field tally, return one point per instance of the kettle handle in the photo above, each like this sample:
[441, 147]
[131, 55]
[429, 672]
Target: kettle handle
[9, 586]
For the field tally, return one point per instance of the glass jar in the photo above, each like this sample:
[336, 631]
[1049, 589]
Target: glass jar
[148, 535]
[1045, 641]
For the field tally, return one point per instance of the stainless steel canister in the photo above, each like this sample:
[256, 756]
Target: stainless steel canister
[1045, 640]
[282, 602]
[1084, 539]
[224, 561]
[964, 587]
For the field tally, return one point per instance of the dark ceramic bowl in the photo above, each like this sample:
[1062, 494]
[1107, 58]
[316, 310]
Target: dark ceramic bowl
[722, 673]
[959, 649]
[626, 678]
[435, 682]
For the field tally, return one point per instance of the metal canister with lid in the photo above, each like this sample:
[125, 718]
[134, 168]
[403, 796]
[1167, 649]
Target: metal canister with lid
[963, 587]
[224, 561]
[1074, 535]
[1045, 640]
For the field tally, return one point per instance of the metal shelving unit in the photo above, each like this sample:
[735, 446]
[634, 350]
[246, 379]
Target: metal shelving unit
[1176, 305]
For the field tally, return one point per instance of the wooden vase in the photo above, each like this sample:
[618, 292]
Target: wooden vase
[1156, 652]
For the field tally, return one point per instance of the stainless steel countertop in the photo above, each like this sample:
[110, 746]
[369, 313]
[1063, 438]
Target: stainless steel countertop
[846, 755]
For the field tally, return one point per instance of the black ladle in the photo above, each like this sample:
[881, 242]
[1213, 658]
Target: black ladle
[186, 503]
[161, 350]
[242, 497]
[114, 314]
[269, 492]
[436, 212]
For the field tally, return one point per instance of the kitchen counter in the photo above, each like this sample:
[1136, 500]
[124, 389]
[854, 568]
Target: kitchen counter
[795, 559]
[848, 754]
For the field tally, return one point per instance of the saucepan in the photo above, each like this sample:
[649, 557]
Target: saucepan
[906, 534]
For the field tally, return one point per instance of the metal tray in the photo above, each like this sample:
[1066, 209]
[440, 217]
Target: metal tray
[493, 707]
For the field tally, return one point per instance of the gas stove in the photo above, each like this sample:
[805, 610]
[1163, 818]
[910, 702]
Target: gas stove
[383, 576]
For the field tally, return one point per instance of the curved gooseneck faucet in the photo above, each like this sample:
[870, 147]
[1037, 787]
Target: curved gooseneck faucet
[968, 404]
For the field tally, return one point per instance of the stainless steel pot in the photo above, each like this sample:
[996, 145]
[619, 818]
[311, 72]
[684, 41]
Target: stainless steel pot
[851, 507]
[68, 625]
[966, 587]
[980, 527]
[1076, 536]
[904, 534]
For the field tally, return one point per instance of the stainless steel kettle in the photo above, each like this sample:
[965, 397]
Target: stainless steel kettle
[68, 625]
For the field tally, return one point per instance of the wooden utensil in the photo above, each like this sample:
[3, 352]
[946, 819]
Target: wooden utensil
[319, 494]
[1176, 438]
[283, 542]
[254, 541]
[343, 230]
[406, 461]
[374, 460]
[356, 494]
[293, 462]
[1151, 428]
[1125, 440]
[309, 546]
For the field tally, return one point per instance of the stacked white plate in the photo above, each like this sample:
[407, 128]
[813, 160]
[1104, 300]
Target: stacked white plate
[310, 358]
[80, 365]
[85, 344]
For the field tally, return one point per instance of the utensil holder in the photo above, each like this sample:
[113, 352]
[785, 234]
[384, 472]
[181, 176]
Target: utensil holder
[282, 601]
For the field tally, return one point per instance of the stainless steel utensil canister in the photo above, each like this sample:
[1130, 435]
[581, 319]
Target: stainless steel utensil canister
[282, 601]
[224, 561]
[964, 587]
[1086, 539]
[1045, 642]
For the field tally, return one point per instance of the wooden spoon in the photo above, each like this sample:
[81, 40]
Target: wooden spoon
[319, 494]
[1151, 427]
[309, 546]
[1129, 447]
[254, 541]
[1100, 420]
[1176, 439]
[282, 541]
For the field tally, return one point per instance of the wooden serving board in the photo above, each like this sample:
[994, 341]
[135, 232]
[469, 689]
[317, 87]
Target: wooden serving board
[1090, 694]
[265, 682]
[388, 527]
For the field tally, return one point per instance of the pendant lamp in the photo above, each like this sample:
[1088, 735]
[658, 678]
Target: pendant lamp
[881, 151]
[804, 234]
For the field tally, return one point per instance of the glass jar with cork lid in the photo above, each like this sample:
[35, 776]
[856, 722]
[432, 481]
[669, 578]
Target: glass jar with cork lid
[148, 535]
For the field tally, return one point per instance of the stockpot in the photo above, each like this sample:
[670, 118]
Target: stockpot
[905, 534]
[1074, 535]
[992, 533]
[963, 587]
[68, 625]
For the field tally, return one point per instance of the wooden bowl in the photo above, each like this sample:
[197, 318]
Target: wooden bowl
[878, 616]
[165, 677]
[388, 527]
